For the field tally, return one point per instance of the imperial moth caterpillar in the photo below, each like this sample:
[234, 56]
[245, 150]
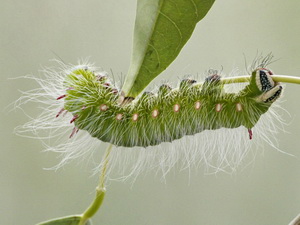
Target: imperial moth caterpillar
[193, 124]
[167, 115]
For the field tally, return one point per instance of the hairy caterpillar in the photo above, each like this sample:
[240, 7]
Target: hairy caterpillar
[86, 94]
[168, 115]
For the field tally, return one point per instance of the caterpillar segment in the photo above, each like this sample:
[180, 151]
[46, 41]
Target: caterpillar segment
[167, 115]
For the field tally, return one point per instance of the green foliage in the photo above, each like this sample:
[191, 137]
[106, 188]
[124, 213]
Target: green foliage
[162, 28]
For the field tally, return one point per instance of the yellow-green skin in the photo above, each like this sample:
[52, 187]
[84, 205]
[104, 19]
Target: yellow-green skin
[165, 116]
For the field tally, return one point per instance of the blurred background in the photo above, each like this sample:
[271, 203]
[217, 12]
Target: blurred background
[35, 31]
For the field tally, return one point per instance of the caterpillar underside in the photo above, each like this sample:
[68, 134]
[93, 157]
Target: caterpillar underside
[167, 115]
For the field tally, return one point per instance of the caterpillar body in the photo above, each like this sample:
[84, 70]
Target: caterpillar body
[167, 115]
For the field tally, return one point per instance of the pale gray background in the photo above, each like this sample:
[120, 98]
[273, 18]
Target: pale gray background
[267, 192]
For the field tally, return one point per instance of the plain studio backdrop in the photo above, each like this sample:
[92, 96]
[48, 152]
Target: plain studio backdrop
[35, 31]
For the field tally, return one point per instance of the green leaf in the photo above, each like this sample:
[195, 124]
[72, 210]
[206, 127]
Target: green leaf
[70, 220]
[162, 27]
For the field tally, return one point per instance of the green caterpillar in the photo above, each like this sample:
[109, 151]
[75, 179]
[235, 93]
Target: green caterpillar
[168, 115]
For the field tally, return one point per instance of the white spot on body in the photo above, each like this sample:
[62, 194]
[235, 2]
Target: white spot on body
[218, 107]
[176, 108]
[103, 107]
[119, 116]
[239, 107]
[155, 113]
[135, 117]
[197, 105]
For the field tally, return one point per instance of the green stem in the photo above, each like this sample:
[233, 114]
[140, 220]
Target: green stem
[100, 191]
[246, 78]
[276, 78]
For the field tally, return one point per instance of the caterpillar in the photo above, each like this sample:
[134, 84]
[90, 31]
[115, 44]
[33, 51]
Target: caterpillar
[203, 117]
[169, 114]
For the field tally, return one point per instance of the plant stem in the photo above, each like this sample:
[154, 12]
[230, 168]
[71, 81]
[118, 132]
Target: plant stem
[246, 78]
[100, 190]
[295, 221]
[276, 78]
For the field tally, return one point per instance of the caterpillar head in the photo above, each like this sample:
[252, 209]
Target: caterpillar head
[267, 88]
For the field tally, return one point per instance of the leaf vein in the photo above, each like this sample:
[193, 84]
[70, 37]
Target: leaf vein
[175, 25]
[196, 9]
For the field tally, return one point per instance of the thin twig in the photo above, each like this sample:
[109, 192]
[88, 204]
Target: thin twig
[100, 190]
[276, 78]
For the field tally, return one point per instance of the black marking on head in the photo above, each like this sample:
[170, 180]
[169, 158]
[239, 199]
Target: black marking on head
[275, 95]
[265, 80]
